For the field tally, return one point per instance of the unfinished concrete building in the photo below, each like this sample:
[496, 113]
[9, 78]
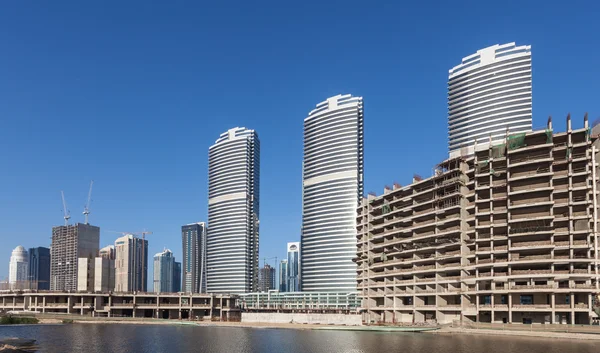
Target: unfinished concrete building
[69, 243]
[508, 235]
[138, 305]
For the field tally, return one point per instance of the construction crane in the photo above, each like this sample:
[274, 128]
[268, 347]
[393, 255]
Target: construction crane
[67, 214]
[269, 258]
[142, 233]
[86, 209]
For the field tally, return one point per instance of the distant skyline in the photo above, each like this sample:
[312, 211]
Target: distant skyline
[132, 94]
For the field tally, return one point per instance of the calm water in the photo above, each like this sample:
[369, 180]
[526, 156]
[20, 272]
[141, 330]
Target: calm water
[92, 338]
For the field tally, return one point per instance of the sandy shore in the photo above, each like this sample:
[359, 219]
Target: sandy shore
[538, 334]
[192, 323]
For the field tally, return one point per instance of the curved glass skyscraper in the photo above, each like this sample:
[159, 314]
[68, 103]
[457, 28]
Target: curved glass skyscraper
[332, 186]
[488, 93]
[233, 212]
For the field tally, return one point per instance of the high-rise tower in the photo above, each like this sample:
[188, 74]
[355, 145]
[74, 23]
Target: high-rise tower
[193, 238]
[293, 267]
[131, 264]
[18, 268]
[233, 212]
[39, 268]
[332, 187]
[69, 243]
[488, 94]
[164, 266]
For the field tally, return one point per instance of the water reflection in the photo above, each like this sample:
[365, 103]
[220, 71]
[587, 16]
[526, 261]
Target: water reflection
[121, 338]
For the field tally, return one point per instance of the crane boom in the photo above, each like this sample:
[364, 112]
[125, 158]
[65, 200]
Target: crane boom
[86, 209]
[67, 214]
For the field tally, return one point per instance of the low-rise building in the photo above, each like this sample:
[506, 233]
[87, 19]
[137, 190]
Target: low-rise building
[139, 305]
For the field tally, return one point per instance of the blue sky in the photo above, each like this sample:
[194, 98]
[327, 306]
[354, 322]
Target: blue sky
[132, 94]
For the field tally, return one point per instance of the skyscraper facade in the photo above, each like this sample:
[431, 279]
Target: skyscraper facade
[39, 268]
[332, 188]
[18, 267]
[193, 238]
[69, 243]
[164, 265]
[177, 277]
[488, 94]
[293, 267]
[267, 278]
[131, 264]
[283, 286]
[233, 212]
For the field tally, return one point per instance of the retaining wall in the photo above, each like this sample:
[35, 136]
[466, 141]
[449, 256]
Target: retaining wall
[301, 318]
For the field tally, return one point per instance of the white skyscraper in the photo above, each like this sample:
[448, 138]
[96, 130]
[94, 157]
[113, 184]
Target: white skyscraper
[18, 268]
[488, 93]
[332, 187]
[233, 212]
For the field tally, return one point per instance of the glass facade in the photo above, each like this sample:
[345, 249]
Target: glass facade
[164, 266]
[283, 285]
[39, 267]
[177, 277]
[193, 237]
[293, 267]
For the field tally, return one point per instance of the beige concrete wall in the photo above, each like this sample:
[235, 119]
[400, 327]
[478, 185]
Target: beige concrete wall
[300, 318]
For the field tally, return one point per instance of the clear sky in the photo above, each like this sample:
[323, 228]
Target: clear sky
[132, 94]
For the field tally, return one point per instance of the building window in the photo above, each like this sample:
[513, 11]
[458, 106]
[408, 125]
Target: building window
[526, 299]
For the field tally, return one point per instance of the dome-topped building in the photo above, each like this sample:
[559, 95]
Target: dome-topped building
[18, 265]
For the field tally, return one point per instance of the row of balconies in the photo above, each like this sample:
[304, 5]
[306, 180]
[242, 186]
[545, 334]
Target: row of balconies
[469, 307]
[514, 257]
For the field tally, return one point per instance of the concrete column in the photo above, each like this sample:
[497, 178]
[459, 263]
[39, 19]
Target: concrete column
[69, 304]
[44, 304]
[221, 308]
[590, 308]
[572, 301]
[81, 310]
[492, 302]
[510, 308]
[553, 305]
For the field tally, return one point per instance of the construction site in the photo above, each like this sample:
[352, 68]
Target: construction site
[507, 235]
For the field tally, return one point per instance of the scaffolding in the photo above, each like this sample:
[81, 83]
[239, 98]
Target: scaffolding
[386, 207]
[499, 151]
[549, 135]
[516, 141]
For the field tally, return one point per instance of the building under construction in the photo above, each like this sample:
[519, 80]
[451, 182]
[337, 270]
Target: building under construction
[508, 235]
[69, 243]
